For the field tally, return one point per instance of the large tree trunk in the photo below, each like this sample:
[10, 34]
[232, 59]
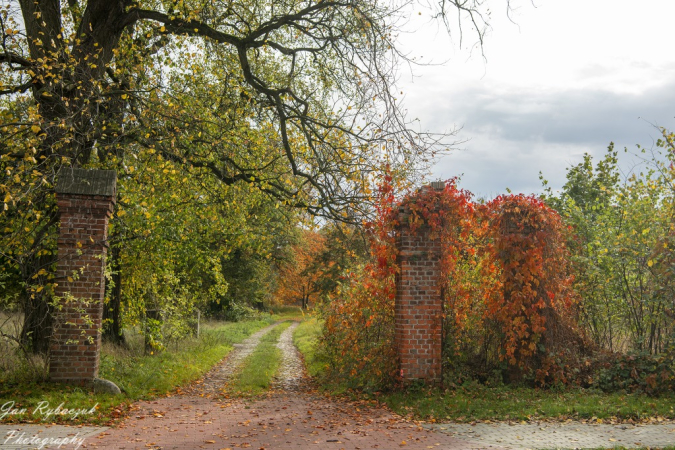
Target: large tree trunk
[38, 320]
[305, 298]
[112, 317]
[37, 324]
[68, 98]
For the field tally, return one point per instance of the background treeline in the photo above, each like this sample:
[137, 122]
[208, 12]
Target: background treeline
[622, 248]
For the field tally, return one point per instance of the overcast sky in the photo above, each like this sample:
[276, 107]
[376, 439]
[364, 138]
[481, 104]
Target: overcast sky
[567, 78]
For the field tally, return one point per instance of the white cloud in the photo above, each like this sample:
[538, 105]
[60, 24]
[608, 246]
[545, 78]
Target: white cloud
[570, 77]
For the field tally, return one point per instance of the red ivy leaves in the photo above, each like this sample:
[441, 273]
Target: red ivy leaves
[527, 240]
[359, 323]
[504, 264]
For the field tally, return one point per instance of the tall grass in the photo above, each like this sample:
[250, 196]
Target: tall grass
[284, 312]
[17, 365]
[141, 375]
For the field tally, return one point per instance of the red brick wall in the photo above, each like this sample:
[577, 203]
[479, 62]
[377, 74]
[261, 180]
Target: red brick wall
[82, 246]
[418, 310]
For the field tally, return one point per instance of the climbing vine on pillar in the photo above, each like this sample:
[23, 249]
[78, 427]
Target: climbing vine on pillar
[534, 308]
[504, 286]
[459, 226]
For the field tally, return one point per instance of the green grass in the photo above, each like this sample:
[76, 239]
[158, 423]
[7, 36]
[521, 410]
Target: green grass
[478, 402]
[305, 337]
[258, 369]
[140, 376]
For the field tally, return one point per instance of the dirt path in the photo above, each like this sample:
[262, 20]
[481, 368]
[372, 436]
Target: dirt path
[292, 371]
[218, 377]
[291, 416]
[281, 421]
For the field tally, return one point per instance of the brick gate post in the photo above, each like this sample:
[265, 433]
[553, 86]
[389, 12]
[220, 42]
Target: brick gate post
[85, 200]
[419, 306]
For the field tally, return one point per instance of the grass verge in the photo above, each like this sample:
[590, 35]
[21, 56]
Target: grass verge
[478, 402]
[140, 376]
[305, 338]
[258, 369]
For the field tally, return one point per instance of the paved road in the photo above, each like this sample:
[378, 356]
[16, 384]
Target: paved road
[284, 423]
[292, 416]
[569, 435]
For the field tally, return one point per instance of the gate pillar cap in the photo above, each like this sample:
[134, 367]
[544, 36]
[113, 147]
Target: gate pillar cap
[87, 182]
[437, 185]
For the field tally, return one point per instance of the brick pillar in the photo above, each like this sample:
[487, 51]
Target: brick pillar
[419, 306]
[85, 200]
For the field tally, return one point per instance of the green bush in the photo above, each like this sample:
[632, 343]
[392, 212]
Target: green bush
[639, 372]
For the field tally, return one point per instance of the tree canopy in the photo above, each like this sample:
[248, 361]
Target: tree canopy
[294, 97]
[251, 105]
